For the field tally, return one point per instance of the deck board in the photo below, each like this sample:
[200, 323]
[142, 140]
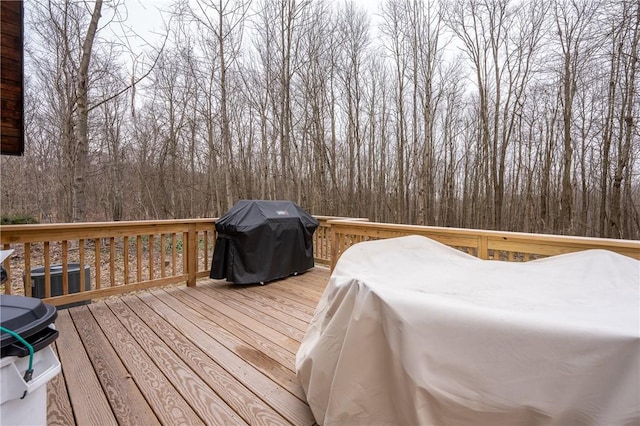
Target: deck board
[235, 394]
[283, 303]
[286, 324]
[262, 378]
[195, 391]
[213, 354]
[288, 307]
[288, 315]
[59, 411]
[294, 294]
[166, 401]
[88, 401]
[242, 327]
[273, 330]
[126, 400]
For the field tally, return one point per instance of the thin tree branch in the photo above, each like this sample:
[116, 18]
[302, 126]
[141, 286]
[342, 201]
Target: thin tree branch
[96, 105]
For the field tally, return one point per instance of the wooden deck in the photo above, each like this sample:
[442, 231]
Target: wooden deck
[213, 354]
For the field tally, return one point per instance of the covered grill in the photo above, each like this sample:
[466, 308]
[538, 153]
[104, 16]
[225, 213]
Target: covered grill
[260, 241]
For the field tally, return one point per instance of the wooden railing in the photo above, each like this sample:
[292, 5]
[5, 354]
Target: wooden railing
[495, 245]
[128, 256]
[121, 256]
[322, 238]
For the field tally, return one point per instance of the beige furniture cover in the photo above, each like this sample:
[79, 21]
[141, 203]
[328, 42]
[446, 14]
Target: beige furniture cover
[412, 332]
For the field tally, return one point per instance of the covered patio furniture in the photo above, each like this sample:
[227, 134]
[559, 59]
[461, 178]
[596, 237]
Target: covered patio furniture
[412, 332]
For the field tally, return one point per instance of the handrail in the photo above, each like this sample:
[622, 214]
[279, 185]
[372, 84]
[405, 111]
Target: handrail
[159, 252]
[163, 252]
[322, 237]
[485, 244]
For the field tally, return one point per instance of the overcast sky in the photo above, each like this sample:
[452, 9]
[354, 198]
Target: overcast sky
[145, 17]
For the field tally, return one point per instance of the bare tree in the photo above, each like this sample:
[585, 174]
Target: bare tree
[627, 53]
[62, 28]
[394, 16]
[353, 39]
[573, 21]
[320, 48]
[223, 20]
[528, 122]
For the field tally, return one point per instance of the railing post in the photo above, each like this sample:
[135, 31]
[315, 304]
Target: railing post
[27, 269]
[7, 267]
[192, 261]
[483, 247]
[334, 247]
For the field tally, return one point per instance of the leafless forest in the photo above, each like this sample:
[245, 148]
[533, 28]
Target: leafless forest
[497, 114]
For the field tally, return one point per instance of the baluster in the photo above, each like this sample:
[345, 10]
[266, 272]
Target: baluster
[151, 256]
[97, 245]
[125, 254]
[65, 268]
[112, 261]
[163, 272]
[83, 283]
[174, 242]
[139, 258]
[27, 269]
[47, 270]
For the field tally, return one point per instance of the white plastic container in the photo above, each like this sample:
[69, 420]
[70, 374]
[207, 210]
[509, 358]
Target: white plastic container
[25, 403]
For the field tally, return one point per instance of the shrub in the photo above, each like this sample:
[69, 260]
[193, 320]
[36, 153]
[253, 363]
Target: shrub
[17, 219]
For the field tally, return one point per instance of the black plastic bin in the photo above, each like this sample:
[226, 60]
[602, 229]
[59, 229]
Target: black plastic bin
[73, 274]
[29, 318]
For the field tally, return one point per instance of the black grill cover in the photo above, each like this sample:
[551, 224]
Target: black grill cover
[260, 241]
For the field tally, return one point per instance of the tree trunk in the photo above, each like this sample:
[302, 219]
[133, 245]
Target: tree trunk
[82, 149]
[627, 124]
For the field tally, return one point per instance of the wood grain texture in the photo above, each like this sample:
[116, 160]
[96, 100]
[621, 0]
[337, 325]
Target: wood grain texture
[204, 401]
[282, 304]
[265, 339]
[252, 409]
[90, 405]
[248, 299]
[311, 293]
[268, 317]
[195, 356]
[268, 379]
[168, 405]
[59, 411]
[281, 297]
[11, 78]
[293, 294]
[126, 400]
